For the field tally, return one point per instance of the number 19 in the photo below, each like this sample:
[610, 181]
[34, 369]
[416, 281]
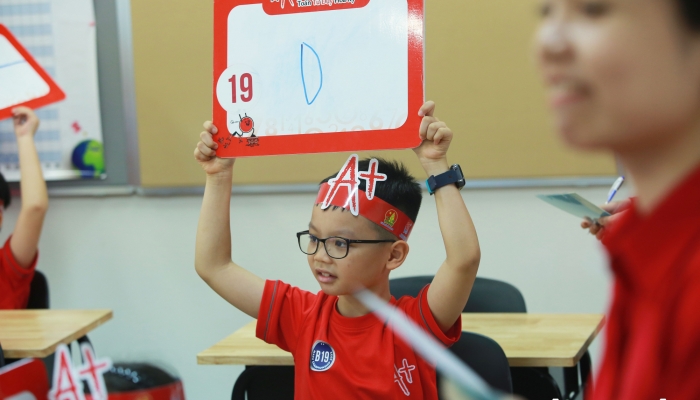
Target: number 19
[246, 87]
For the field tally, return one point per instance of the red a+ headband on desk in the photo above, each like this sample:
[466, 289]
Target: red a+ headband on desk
[343, 191]
[23, 81]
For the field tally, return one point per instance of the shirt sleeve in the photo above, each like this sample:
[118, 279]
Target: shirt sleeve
[419, 311]
[15, 279]
[282, 311]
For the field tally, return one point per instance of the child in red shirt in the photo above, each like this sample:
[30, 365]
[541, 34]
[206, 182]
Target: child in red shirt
[624, 75]
[19, 254]
[341, 350]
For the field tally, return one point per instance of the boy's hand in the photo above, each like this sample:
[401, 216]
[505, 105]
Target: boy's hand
[616, 208]
[436, 136]
[205, 152]
[25, 122]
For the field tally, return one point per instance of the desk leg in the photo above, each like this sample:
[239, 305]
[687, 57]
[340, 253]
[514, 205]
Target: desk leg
[572, 386]
[586, 380]
[2, 357]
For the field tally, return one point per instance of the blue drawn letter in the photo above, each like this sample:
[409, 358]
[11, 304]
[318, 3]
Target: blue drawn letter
[311, 72]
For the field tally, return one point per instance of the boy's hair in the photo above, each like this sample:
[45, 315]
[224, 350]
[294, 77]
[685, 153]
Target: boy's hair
[690, 12]
[400, 188]
[5, 195]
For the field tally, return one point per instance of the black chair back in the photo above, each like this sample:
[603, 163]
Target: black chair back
[38, 292]
[265, 383]
[487, 296]
[409, 286]
[493, 296]
[486, 358]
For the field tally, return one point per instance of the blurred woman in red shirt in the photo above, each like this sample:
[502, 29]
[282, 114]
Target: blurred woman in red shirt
[624, 75]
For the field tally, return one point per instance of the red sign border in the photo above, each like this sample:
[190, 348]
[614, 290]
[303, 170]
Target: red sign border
[403, 137]
[55, 93]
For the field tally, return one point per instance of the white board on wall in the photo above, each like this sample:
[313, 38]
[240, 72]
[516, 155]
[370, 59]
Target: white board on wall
[61, 36]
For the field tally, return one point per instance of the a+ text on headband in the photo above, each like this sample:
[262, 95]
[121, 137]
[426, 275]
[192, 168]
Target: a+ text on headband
[344, 191]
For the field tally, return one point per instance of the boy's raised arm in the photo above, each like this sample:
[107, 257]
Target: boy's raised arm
[449, 291]
[212, 258]
[35, 200]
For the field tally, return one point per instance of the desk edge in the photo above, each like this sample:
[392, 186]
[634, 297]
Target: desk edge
[45, 352]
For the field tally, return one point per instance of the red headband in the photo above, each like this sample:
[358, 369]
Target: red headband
[359, 202]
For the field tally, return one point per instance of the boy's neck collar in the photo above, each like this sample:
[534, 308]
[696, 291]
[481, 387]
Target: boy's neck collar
[349, 307]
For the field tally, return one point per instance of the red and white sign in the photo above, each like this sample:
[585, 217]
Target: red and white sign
[22, 79]
[316, 76]
[66, 378]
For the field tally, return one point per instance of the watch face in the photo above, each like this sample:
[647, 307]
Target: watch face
[461, 182]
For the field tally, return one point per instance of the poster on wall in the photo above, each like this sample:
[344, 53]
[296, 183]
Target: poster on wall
[59, 36]
[313, 76]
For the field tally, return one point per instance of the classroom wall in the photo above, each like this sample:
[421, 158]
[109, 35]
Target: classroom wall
[479, 69]
[135, 255]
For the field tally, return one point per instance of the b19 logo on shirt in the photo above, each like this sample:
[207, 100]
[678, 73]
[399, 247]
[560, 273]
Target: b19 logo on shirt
[322, 356]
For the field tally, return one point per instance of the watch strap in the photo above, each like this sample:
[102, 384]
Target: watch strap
[435, 182]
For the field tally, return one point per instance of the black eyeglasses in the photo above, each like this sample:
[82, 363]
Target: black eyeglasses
[336, 247]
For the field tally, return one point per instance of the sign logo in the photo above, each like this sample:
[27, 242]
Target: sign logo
[246, 124]
[322, 356]
[390, 219]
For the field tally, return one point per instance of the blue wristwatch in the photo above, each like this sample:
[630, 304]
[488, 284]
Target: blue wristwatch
[453, 175]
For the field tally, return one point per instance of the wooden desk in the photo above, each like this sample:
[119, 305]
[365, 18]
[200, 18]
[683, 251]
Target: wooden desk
[534, 340]
[37, 333]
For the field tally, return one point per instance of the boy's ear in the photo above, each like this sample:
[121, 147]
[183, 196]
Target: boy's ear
[399, 251]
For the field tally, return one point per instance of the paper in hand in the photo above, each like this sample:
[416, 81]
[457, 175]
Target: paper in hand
[576, 205]
[22, 79]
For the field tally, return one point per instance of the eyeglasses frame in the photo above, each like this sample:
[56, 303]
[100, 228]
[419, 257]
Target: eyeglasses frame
[349, 242]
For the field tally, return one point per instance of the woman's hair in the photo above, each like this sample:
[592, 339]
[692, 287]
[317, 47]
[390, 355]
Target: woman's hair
[690, 12]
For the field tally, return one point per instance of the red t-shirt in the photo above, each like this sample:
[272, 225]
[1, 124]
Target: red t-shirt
[653, 330]
[14, 280]
[336, 357]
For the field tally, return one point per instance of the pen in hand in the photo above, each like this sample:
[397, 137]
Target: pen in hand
[615, 187]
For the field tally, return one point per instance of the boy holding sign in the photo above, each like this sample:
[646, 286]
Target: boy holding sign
[356, 237]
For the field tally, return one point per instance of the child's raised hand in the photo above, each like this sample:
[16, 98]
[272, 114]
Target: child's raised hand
[205, 152]
[25, 121]
[435, 134]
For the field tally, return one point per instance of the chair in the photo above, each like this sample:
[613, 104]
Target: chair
[493, 296]
[265, 383]
[2, 357]
[486, 357]
[487, 296]
[38, 292]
